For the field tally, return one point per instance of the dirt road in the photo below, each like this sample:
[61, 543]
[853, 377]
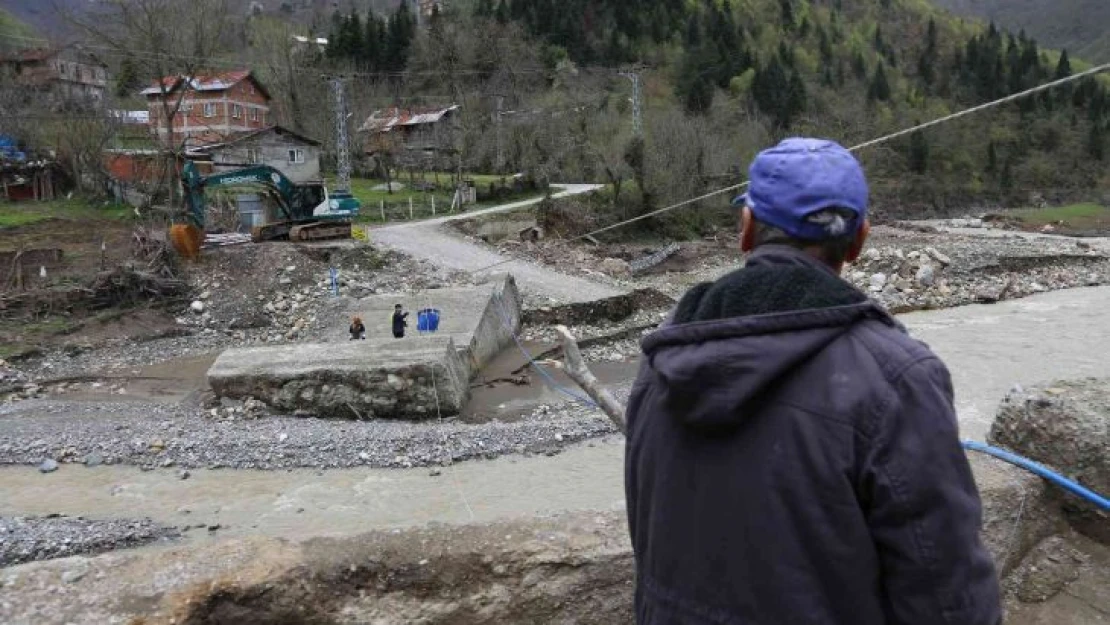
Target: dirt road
[430, 240]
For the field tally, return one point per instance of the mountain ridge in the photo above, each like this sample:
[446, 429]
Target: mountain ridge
[1080, 26]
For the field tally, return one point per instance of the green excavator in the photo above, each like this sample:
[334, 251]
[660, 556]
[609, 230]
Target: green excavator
[307, 211]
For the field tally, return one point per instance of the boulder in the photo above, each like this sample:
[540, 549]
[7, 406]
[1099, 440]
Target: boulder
[1066, 426]
[615, 267]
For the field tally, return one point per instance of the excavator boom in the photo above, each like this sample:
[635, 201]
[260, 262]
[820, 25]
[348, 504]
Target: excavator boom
[307, 211]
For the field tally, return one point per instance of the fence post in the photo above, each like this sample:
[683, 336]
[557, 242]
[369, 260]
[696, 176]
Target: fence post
[433, 206]
[381, 207]
[410, 207]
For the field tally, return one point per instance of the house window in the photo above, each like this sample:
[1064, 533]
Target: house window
[254, 115]
[236, 111]
[254, 155]
[296, 156]
[209, 109]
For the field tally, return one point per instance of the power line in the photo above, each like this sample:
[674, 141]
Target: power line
[883, 139]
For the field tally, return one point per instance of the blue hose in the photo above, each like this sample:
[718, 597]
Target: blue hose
[1042, 471]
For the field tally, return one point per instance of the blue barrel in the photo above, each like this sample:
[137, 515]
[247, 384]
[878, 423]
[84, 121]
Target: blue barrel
[427, 320]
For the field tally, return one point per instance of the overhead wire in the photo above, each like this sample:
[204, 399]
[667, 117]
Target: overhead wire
[866, 144]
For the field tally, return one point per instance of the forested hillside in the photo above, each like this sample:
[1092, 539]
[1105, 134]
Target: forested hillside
[544, 88]
[1080, 26]
[724, 78]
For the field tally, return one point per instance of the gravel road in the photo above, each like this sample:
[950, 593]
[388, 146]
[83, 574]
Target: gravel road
[431, 241]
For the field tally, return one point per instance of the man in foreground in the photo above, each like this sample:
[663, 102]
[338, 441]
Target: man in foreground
[793, 455]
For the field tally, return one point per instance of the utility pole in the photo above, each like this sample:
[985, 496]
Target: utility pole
[497, 120]
[342, 150]
[637, 102]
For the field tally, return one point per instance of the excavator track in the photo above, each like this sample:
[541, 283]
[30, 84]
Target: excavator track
[320, 230]
[314, 231]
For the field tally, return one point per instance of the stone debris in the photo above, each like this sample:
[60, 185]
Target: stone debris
[48, 466]
[25, 539]
[1046, 571]
[121, 432]
[904, 268]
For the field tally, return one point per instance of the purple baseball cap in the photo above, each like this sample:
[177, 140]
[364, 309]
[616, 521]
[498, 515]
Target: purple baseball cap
[799, 177]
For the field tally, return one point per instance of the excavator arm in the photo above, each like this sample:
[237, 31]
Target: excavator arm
[256, 175]
[307, 212]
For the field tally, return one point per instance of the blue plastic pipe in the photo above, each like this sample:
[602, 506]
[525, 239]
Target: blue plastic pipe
[1039, 469]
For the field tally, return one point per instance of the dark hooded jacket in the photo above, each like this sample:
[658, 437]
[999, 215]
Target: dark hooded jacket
[793, 459]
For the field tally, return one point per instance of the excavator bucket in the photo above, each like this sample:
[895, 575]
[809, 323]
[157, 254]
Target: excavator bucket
[187, 239]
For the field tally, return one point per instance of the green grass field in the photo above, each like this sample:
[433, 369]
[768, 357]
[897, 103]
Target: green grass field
[1086, 216]
[395, 206]
[15, 214]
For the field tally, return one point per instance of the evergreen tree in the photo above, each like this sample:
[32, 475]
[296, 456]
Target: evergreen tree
[992, 159]
[1096, 143]
[927, 61]
[859, 65]
[779, 93]
[484, 8]
[699, 97]
[879, 88]
[786, 10]
[372, 44]
[127, 81]
[919, 153]
[400, 32]
[1063, 67]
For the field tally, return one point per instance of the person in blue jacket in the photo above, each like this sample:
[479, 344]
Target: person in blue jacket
[793, 455]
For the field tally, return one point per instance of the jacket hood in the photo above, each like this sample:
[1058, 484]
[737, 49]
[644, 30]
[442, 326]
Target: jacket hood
[730, 342]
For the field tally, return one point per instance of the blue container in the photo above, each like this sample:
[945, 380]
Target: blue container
[427, 320]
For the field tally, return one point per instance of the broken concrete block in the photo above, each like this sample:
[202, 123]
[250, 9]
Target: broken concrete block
[1018, 510]
[411, 378]
[1065, 426]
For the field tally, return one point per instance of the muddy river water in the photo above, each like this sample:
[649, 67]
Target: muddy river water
[989, 349]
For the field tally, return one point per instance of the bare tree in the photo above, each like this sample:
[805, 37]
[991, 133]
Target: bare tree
[169, 42]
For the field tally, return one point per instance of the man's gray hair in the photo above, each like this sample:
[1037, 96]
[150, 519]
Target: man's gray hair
[835, 221]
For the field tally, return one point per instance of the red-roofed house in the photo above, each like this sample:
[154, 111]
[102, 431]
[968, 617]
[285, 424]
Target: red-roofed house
[213, 107]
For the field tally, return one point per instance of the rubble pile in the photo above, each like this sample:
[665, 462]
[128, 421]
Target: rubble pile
[905, 267]
[905, 278]
[27, 539]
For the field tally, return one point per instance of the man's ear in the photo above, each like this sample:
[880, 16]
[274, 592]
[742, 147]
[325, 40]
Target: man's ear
[857, 245]
[747, 231]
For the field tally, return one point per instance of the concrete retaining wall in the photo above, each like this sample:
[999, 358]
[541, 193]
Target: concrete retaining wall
[498, 324]
[413, 378]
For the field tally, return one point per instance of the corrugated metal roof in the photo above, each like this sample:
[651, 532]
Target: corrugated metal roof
[242, 136]
[201, 82]
[385, 120]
